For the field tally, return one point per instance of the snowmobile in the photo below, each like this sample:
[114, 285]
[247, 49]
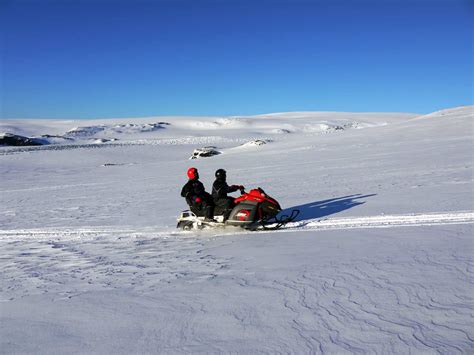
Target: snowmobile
[253, 210]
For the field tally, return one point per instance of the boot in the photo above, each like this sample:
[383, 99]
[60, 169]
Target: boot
[209, 214]
[226, 214]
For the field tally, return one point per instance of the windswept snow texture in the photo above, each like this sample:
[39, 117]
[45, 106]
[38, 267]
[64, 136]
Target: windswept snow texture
[380, 259]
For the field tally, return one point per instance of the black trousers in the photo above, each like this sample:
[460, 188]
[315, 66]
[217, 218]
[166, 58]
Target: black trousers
[224, 206]
[203, 208]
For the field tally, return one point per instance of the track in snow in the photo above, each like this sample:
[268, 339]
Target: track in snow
[385, 221]
[368, 222]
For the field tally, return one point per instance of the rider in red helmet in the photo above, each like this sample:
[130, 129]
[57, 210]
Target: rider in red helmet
[197, 198]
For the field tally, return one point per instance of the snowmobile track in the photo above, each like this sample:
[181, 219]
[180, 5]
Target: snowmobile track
[368, 222]
[384, 221]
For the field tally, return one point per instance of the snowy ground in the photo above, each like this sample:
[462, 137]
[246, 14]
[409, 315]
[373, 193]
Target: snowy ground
[380, 259]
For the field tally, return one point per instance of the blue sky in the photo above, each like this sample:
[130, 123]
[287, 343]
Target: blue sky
[104, 58]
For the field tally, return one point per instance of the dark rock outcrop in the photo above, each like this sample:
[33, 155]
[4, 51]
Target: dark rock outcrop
[10, 139]
[204, 152]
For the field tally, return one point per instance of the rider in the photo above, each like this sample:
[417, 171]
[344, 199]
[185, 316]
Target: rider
[220, 189]
[196, 196]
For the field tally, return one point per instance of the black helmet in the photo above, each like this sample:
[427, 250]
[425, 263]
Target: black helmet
[221, 174]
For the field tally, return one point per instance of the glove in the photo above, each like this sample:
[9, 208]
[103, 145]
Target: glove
[241, 187]
[198, 199]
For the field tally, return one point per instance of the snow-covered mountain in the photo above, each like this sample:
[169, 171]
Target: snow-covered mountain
[379, 259]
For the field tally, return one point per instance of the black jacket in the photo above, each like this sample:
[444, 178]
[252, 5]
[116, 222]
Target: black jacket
[220, 189]
[193, 189]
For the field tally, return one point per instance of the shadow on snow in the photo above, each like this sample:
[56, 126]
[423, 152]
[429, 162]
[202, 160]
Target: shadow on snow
[320, 209]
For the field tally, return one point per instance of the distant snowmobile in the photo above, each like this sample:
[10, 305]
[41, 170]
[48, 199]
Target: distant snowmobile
[254, 210]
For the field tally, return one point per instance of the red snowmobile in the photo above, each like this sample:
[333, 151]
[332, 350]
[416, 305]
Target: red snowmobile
[253, 210]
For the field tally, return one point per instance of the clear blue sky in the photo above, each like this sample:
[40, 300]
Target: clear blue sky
[104, 58]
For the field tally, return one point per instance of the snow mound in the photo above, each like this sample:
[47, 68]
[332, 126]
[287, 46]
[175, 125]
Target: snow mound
[279, 131]
[87, 131]
[255, 143]
[103, 140]
[461, 112]
[229, 121]
[53, 139]
[125, 128]
[326, 127]
[204, 152]
[219, 123]
[137, 128]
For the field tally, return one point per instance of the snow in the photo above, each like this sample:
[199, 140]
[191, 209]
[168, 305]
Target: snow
[380, 259]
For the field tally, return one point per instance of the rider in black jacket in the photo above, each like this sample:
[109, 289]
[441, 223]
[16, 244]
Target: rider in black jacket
[220, 189]
[197, 198]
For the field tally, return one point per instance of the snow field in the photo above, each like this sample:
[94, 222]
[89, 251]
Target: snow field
[329, 292]
[379, 260]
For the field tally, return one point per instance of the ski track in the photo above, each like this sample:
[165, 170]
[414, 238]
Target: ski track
[366, 305]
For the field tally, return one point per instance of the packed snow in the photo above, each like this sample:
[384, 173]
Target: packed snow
[380, 259]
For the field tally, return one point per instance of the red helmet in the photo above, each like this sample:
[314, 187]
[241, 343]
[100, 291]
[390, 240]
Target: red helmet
[193, 173]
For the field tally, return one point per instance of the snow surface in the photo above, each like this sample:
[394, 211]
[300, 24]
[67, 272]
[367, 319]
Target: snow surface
[380, 259]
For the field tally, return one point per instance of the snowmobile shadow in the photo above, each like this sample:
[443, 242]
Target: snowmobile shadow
[319, 209]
